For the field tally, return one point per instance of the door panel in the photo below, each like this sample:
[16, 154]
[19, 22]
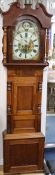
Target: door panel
[24, 103]
[24, 95]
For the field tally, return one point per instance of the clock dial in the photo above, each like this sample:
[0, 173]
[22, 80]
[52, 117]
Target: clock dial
[26, 41]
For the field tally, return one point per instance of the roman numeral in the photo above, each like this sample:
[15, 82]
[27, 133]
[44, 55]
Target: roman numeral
[25, 55]
[15, 45]
[34, 50]
[20, 54]
[16, 50]
[36, 45]
[26, 35]
[21, 36]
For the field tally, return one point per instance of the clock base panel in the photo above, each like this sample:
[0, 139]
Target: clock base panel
[23, 153]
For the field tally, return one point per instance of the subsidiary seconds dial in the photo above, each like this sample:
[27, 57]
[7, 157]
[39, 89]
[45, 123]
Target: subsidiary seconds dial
[26, 41]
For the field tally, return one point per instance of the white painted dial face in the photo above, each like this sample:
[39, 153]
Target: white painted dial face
[26, 41]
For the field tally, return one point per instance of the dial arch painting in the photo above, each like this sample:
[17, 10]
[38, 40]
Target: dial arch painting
[26, 40]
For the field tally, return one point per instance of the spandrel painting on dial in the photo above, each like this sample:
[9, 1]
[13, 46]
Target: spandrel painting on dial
[26, 40]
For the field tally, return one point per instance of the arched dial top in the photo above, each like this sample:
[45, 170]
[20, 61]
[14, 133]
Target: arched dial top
[26, 40]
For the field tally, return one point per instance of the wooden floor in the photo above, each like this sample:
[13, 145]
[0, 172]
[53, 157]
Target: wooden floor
[1, 172]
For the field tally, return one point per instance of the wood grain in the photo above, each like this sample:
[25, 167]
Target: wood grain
[23, 142]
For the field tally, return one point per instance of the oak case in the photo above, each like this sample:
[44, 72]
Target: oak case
[24, 100]
[23, 141]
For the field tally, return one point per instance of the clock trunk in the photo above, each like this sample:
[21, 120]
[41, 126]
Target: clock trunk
[24, 89]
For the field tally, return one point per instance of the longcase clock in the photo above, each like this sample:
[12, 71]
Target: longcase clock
[25, 50]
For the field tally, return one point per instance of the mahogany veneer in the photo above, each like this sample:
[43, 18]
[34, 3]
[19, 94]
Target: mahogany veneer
[23, 143]
[23, 153]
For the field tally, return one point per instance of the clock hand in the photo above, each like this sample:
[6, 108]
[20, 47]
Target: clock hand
[25, 55]
[19, 40]
[36, 45]
[21, 35]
